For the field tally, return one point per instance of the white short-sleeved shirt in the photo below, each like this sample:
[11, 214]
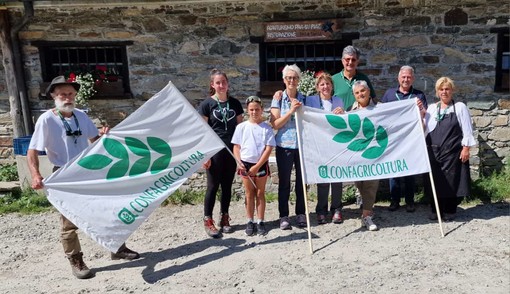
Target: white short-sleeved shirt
[253, 139]
[463, 117]
[50, 136]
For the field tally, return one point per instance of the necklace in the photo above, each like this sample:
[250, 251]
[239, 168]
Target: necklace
[440, 115]
[403, 95]
[223, 110]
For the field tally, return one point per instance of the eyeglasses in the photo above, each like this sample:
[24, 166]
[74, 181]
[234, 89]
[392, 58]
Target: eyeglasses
[253, 99]
[350, 59]
[288, 79]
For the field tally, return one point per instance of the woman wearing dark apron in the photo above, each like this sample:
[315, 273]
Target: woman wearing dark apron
[449, 137]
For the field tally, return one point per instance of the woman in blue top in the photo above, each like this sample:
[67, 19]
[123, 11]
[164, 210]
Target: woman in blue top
[326, 101]
[287, 152]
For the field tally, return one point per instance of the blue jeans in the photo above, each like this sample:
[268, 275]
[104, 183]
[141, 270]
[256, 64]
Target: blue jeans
[396, 189]
[285, 159]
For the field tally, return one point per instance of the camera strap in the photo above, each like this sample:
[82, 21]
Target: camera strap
[67, 127]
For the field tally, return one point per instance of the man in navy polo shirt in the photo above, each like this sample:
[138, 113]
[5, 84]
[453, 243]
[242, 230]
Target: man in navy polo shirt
[404, 91]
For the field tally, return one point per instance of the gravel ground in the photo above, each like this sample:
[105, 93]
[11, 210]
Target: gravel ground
[407, 255]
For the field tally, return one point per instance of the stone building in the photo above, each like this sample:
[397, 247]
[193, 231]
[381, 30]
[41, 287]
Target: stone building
[144, 44]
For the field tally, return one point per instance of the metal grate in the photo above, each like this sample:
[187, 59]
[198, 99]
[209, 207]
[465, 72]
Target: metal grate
[79, 59]
[317, 56]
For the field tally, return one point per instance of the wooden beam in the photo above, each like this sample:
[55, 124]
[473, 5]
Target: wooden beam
[10, 78]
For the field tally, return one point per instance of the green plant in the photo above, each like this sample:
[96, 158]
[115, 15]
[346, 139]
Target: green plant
[306, 84]
[89, 77]
[86, 91]
[271, 197]
[349, 194]
[184, 197]
[8, 173]
[24, 201]
[492, 188]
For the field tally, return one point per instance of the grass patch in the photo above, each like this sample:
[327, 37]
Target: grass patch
[493, 188]
[271, 197]
[184, 197]
[8, 172]
[26, 201]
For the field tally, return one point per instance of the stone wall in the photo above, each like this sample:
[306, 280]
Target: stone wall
[182, 41]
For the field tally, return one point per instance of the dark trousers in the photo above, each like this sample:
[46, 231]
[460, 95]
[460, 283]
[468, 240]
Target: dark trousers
[322, 198]
[285, 159]
[220, 173]
[396, 189]
[446, 205]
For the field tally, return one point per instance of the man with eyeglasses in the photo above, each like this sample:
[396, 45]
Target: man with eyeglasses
[64, 132]
[343, 81]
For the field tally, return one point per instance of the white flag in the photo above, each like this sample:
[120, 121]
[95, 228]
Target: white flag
[114, 185]
[378, 142]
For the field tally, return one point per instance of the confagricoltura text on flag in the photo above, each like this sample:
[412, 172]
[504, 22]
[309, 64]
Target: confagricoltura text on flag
[384, 141]
[114, 185]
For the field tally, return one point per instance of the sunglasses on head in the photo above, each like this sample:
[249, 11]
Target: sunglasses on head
[253, 99]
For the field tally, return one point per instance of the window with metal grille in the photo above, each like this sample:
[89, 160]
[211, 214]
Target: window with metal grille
[315, 56]
[502, 60]
[107, 61]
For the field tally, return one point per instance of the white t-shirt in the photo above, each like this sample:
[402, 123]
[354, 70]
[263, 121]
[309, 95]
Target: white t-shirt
[50, 136]
[253, 139]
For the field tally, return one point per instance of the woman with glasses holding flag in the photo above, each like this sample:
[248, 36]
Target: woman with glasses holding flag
[287, 152]
[223, 113]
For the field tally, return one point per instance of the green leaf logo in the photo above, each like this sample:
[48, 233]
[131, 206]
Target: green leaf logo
[350, 133]
[121, 166]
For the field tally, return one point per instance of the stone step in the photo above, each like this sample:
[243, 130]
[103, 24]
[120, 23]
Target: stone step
[9, 186]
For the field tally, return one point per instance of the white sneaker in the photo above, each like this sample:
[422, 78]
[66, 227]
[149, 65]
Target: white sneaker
[367, 222]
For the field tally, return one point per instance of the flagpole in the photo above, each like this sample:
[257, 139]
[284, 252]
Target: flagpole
[303, 179]
[432, 183]
[239, 164]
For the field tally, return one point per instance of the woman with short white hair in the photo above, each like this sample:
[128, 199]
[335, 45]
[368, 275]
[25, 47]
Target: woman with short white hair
[287, 152]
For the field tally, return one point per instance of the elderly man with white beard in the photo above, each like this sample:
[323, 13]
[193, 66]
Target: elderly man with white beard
[64, 132]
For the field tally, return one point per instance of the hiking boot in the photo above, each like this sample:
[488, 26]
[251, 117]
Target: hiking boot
[321, 219]
[225, 224]
[125, 253]
[250, 229]
[449, 217]
[261, 229]
[210, 229]
[80, 269]
[393, 206]
[285, 223]
[301, 220]
[410, 207]
[368, 223]
[337, 217]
